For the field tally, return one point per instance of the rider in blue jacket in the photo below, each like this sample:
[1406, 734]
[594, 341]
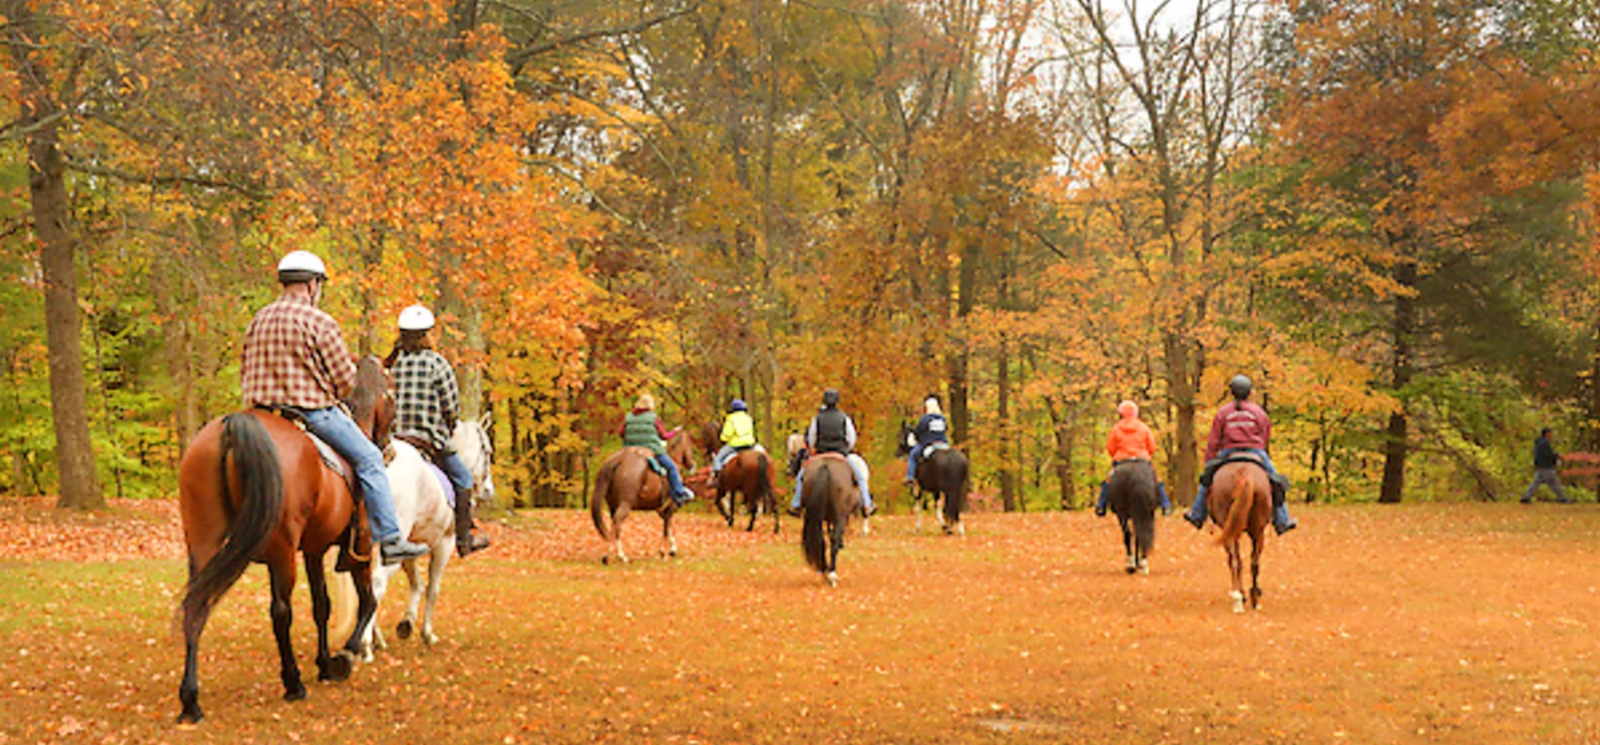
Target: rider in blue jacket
[932, 428]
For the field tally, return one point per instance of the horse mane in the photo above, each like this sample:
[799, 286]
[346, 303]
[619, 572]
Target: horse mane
[371, 383]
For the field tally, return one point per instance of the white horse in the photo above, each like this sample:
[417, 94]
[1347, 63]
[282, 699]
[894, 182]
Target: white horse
[422, 509]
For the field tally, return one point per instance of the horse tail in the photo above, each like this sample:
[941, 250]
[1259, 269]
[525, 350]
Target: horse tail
[812, 535]
[1239, 509]
[763, 478]
[255, 462]
[600, 502]
[954, 485]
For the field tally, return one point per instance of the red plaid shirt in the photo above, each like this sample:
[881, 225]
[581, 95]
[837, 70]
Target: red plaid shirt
[295, 356]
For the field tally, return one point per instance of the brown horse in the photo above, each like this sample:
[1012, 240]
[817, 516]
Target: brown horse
[626, 483]
[1240, 501]
[252, 487]
[749, 474]
[830, 497]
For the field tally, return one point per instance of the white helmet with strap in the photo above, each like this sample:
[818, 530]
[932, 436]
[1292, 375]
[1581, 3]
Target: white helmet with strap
[416, 318]
[301, 266]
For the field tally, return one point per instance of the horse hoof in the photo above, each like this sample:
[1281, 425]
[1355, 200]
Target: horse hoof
[605, 559]
[340, 664]
[404, 629]
[297, 693]
[833, 579]
[1144, 568]
[430, 639]
[190, 717]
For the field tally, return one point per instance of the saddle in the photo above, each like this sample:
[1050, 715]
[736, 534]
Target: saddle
[1280, 483]
[934, 447]
[839, 457]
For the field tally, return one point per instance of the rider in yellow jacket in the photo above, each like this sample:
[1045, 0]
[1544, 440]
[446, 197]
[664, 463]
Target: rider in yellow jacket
[738, 433]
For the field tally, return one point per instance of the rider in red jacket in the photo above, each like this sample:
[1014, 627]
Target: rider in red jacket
[1240, 426]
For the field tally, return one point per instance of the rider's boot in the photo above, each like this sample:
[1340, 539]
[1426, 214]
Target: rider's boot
[397, 549]
[466, 542]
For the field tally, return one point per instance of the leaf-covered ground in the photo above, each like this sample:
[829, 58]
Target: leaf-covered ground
[1416, 623]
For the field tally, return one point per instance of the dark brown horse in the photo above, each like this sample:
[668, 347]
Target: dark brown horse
[941, 483]
[626, 483]
[252, 487]
[1132, 494]
[749, 473]
[1240, 500]
[830, 496]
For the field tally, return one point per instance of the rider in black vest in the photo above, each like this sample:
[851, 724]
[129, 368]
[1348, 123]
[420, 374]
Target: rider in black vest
[832, 431]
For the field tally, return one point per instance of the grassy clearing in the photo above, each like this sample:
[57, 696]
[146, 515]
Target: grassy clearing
[1460, 623]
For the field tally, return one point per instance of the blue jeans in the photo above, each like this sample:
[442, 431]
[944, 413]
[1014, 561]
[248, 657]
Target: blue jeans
[861, 481]
[1161, 488]
[911, 462]
[724, 455]
[1280, 513]
[674, 481]
[457, 471]
[336, 428]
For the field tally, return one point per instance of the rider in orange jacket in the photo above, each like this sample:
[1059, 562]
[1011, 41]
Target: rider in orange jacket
[1130, 439]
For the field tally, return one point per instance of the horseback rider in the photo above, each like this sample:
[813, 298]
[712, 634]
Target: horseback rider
[738, 434]
[1241, 427]
[931, 428]
[642, 428]
[295, 358]
[1130, 439]
[832, 431]
[427, 402]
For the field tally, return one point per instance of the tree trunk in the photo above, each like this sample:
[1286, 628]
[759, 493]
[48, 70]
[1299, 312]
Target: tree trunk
[1183, 372]
[1395, 446]
[1008, 471]
[47, 190]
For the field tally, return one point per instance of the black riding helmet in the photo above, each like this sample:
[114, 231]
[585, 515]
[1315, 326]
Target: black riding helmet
[830, 397]
[1239, 387]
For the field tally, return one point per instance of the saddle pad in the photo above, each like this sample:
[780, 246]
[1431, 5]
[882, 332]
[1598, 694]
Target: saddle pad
[933, 447]
[444, 483]
[331, 458]
[1241, 457]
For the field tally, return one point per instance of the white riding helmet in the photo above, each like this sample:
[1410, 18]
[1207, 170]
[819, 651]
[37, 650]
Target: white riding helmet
[301, 266]
[416, 318]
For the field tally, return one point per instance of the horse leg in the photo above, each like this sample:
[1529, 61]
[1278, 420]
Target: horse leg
[194, 622]
[373, 638]
[1236, 568]
[835, 542]
[366, 609]
[1131, 564]
[282, 573]
[669, 544]
[409, 621]
[755, 509]
[616, 535]
[436, 565]
[1257, 542]
[321, 607]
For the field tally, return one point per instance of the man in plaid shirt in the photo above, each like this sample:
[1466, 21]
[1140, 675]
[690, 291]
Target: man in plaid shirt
[427, 402]
[295, 356]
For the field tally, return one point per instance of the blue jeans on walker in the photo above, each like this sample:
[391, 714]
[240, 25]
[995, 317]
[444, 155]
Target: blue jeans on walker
[1280, 513]
[861, 481]
[674, 481]
[336, 428]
